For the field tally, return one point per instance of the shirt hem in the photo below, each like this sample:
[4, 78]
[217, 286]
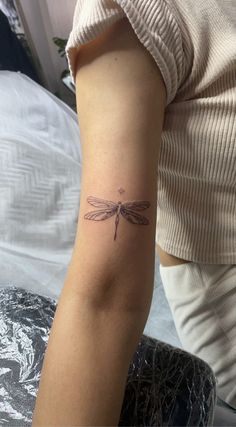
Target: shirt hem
[219, 258]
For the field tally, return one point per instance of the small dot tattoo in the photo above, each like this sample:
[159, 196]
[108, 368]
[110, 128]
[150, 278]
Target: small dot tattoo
[121, 190]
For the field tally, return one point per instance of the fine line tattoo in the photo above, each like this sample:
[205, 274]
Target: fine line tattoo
[121, 190]
[126, 209]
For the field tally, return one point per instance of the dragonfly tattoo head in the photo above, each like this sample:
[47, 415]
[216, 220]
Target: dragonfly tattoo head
[127, 209]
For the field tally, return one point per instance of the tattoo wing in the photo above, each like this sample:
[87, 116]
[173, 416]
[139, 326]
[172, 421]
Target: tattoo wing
[101, 215]
[133, 216]
[100, 203]
[136, 206]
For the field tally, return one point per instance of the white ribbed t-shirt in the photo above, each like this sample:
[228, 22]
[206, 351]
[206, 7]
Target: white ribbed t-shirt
[194, 45]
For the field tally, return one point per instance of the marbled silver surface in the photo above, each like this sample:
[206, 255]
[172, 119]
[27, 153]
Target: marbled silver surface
[166, 386]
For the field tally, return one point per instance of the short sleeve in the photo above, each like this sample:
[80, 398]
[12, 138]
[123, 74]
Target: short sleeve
[153, 22]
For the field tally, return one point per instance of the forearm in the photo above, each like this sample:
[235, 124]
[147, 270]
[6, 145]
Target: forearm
[86, 363]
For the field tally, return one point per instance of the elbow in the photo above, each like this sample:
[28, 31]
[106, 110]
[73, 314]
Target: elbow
[124, 291]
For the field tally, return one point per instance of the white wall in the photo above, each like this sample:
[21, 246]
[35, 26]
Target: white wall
[43, 20]
[61, 14]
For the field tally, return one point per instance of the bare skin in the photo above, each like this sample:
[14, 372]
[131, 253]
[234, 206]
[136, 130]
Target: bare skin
[111, 208]
[167, 260]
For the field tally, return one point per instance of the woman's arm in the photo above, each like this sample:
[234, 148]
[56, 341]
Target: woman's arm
[106, 298]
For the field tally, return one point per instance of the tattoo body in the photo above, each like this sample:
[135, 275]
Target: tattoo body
[126, 209]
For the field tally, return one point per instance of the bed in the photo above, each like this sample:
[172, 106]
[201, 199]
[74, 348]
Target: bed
[40, 172]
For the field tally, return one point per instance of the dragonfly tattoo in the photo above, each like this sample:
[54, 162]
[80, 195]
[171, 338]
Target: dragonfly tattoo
[108, 209]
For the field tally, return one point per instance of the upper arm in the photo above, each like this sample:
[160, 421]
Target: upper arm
[121, 99]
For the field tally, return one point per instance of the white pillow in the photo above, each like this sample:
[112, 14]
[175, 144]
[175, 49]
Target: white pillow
[40, 171]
